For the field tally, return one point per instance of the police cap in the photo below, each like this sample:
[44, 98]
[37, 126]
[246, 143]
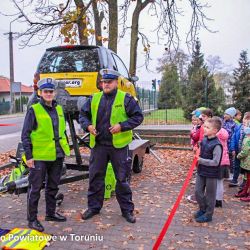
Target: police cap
[46, 83]
[109, 74]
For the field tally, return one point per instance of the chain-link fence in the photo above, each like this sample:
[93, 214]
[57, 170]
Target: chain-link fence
[148, 95]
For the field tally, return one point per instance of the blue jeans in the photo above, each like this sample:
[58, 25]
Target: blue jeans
[236, 170]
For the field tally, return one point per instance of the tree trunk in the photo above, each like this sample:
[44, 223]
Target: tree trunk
[134, 34]
[98, 20]
[113, 25]
[81, 23]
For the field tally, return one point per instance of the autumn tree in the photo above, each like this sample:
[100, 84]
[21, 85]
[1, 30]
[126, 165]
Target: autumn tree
[46, 21]
[79, 23]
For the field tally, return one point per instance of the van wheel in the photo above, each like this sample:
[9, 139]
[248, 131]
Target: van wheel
[137, 164]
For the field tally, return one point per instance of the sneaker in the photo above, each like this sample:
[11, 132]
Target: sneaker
[230, 177]
[191, 198]
[203, 219]
[199, 213]
[233, 184]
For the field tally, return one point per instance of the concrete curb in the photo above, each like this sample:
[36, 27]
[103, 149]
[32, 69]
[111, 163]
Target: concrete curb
[175, 148]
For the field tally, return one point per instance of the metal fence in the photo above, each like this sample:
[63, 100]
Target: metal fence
[19, 105]
[4, 108]
[148, 98]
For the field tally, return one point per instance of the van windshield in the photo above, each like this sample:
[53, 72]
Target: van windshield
[70, 61]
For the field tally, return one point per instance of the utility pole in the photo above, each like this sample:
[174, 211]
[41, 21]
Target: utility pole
[11, 66]
[12, 102]
[10, 33]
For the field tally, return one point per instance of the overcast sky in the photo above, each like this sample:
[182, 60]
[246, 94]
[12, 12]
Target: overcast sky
[231, 20]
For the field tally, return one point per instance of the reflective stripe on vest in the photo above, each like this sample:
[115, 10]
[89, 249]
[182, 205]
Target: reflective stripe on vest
[118, 114]
[10, 235]
[26, 239]
[43, 139]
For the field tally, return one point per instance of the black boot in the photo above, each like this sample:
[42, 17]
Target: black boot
[129, 217]
[55, 217]
[89, 214]
[218, 203]
[36, 225]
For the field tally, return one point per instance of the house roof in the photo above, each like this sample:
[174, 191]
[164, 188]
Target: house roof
[5, 86]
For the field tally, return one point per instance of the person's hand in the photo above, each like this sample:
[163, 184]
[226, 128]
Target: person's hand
[92, 130]
[233, 154]
[30, 163]
[115, 129]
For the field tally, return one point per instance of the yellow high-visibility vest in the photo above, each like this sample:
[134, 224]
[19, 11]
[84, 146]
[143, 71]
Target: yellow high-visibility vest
[43, 138]
[118, 114]
[25, 239]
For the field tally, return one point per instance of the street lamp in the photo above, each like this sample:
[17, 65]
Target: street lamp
[10, 33]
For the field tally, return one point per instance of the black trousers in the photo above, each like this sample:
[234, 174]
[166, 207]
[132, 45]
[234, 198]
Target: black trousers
[50, 172]
[121, 162]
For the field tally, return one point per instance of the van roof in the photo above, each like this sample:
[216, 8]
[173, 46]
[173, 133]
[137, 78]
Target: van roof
[72, 47]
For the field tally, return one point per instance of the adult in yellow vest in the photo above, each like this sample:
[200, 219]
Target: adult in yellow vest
[45, 145]
[110, 116]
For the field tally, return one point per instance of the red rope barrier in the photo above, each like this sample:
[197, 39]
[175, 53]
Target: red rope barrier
[177, 202]
[7, 124]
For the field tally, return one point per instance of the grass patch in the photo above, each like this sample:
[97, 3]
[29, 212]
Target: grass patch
[163, 116]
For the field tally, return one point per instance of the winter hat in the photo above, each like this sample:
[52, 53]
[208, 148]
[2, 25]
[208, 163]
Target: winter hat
[197, 113]
[231, 111]
[247, 130]
[198, 110]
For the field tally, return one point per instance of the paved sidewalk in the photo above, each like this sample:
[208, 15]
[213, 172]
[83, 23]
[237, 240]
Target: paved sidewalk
[155, 191]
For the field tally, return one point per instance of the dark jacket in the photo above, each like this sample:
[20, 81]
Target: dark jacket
[104, 136]
[30, 123]
[207, 152]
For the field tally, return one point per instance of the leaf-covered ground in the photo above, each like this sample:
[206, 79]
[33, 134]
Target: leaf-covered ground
[154, 193]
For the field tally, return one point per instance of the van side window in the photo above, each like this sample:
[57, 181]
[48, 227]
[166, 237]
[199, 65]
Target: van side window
[121, 68]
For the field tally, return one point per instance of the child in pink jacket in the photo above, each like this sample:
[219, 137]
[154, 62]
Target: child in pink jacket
[224, 166]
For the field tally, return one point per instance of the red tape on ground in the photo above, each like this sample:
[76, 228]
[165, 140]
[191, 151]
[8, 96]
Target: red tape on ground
[177, 202]
[7, 124]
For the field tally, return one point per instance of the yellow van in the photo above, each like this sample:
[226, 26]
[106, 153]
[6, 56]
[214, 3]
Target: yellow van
[77, 67]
